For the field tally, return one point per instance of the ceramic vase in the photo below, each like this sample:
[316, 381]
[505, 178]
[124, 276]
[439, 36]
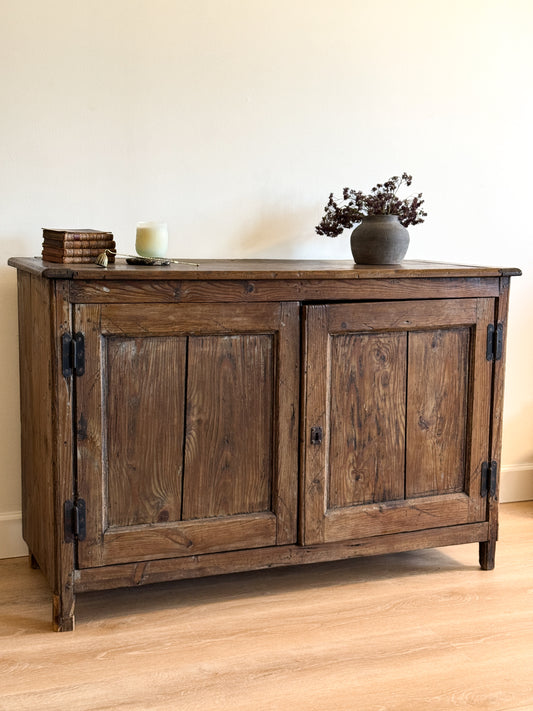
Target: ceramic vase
[379, 239]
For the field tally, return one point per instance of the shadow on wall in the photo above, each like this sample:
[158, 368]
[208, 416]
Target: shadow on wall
[22, 246]
[518, 436]
[278, 233]
[9, 412]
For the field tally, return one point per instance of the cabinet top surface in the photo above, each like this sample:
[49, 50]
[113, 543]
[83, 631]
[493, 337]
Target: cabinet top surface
[257, 269]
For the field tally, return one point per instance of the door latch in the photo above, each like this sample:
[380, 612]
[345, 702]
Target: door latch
[316, 435]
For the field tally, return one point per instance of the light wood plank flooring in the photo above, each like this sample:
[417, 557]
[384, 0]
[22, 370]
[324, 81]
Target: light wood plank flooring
[422, 630]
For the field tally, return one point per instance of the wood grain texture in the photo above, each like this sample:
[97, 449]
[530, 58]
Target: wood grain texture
[315, 414]
[90, 436]
[256, 289]
[188, 319]
[187, 538]
[380, 519]
[38, 521]
[179, 435]
[228, 448]
[285, 490]
[487, 548]
[46, 436]
[63, 600]
[400, 315]
[264, 268]
[481, 386]
[367, 420]
[437, 411]
[238, 561]
[360, 393]
[145, 384]
[412, 630]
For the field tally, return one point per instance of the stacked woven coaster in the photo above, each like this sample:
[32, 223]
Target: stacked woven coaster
[76, 246]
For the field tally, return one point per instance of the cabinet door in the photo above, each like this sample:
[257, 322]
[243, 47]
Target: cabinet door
[187, 429]
[397, 415]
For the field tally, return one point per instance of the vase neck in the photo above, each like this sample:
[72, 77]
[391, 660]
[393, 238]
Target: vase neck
[389, 217]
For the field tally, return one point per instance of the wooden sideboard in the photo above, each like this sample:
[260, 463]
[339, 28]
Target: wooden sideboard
[183, 421]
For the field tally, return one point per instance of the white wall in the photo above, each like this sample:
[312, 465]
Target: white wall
[234, 119]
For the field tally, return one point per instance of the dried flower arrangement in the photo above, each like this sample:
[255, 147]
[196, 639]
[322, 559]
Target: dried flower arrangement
[382, 200]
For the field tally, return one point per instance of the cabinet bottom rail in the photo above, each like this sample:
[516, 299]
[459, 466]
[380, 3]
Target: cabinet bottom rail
[162, 570]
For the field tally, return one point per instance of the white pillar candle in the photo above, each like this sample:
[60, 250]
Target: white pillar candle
[151, 239]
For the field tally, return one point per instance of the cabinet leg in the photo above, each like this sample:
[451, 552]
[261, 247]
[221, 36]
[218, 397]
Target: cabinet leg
[33, 562]
[487, 552]
[63, 611]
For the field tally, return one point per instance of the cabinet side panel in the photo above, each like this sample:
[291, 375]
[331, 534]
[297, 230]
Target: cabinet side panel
[145, 393]
[437, 411]
[34, 295]
[366, 456]
[228, 452]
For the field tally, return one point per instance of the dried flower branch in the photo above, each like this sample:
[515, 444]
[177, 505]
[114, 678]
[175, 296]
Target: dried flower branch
[382, 200]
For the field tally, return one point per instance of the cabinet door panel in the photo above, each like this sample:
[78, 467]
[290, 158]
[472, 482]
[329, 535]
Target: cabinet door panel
[187, 436]
[229, 406]
[144, 471]
[367, 425]
[437, 415]
[401, 391]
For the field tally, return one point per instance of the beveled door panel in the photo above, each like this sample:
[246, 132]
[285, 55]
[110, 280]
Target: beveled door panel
[182, 441]
[144, 384]
[401, 393]
[367, 442]
[229, 405]
[437, 411]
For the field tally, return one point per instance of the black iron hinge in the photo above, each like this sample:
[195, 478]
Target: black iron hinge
[74, 520]
[494, 341]
[489, 478]
[72, 354]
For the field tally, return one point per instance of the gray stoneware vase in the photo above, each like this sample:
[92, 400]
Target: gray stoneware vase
[379, 239]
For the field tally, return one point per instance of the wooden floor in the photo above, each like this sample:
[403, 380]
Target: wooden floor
[422, 630]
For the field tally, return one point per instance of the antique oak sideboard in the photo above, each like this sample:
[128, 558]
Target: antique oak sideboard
[181, 422]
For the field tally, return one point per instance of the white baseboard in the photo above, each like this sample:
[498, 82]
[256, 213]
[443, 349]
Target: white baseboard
[516, 483]
[11, 542]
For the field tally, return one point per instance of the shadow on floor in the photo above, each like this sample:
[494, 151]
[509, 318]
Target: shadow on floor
[263, 583]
